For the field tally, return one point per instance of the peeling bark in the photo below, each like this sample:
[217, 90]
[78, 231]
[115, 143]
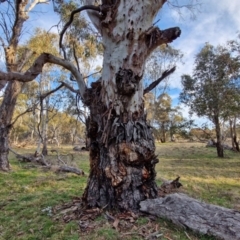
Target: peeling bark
[200, 217]
[122, 159]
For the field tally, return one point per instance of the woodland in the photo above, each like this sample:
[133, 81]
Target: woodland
[99, 83]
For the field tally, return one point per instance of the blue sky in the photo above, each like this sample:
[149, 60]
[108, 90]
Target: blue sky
[216, 22]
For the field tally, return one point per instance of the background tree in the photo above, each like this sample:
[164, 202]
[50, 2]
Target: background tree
[165, 119]
[213, 88]
[13, 15]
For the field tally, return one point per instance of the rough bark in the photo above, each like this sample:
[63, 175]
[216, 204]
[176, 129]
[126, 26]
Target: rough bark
[6, 113]
[198, 216]
[122, 159]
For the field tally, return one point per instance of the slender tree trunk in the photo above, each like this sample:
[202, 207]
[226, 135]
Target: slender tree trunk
[7, 109]
[233, 130]
[219, 145]
[122, 159]
[163, 138]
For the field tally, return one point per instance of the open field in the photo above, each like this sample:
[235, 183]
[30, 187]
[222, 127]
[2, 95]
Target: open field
[28, 194]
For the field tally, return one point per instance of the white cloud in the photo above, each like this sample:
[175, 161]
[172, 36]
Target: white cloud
[217, 23]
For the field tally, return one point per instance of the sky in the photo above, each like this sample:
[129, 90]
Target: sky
[216, 21]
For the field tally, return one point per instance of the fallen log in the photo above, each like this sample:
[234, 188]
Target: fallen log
[203, 218]
[70, 170]
[39, 159]
[36, 158]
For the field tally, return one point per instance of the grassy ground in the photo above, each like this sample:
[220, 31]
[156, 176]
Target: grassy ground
[29, 194]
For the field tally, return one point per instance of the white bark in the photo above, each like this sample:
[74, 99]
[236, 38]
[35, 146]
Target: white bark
[124, 44]
[34, 3]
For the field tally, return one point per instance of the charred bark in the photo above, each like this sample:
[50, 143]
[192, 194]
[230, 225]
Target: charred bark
[198, 216]
[122, 158]
[219, 145]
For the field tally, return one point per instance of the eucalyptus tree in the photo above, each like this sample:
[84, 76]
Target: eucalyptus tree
[13, 15]
[122, 158]
[213, 89]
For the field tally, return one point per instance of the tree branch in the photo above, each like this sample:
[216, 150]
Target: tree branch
[69, 87]
[50, 92]
[155, 83]
[34, 3]
[155, 37]
[93, 15]
[21, 114]
[87, 7]
[37, 67]
[92, 74]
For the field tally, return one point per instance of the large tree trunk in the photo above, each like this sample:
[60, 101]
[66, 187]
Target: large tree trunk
[198, 216]
[122, 158]
[6, 113]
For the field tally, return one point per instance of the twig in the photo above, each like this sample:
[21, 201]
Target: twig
[87, 7]
[187, 235]
[155, 83]
[92, 74]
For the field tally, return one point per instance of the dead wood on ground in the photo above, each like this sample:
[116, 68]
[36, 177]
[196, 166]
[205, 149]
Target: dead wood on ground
[39, 159]
[196, 215]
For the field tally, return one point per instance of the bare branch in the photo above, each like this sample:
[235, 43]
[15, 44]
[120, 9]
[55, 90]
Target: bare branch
[92, 74]
[34, 3]
[21, 114]
[93, 15]
[155, 37]
[37, 67]
[87, 7]
[69, 87]
[50, 92]
[155, 83]
[75, 57]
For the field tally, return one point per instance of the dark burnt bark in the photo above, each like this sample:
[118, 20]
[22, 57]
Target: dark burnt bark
[219, 144]
[122, 158]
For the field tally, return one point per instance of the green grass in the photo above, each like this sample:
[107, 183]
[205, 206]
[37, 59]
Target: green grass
[28, 194]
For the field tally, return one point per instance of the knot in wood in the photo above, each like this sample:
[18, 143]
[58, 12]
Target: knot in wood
[126, 81]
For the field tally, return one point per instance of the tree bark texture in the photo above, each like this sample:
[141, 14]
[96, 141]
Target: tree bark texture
[6, 113]
[14, 88]
[198, 216]
[219, 145]
[122, 159]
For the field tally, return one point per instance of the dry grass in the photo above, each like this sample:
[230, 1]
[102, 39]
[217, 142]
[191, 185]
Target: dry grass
[28, 194]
